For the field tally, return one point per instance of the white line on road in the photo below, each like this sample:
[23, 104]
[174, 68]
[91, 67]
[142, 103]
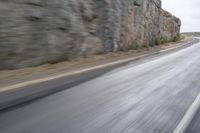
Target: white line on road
[189, 115]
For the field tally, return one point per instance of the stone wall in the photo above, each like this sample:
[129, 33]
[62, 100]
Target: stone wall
[34, 32]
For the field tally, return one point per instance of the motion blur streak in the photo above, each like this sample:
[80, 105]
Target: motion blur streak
[141, 97]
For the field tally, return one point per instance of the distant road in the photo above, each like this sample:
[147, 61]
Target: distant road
[151, 95]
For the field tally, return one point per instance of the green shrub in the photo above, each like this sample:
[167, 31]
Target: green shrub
[134, 45]
[182, 36]
[160, 40]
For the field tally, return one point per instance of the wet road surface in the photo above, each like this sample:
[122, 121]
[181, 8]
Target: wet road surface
[141, 97]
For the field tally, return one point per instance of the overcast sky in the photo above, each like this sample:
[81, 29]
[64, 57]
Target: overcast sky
[187, 10]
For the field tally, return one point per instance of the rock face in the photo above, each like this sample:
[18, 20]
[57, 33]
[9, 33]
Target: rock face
[169, 26]
[34, 32]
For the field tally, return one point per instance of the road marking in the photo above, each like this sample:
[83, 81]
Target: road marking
[189, 115]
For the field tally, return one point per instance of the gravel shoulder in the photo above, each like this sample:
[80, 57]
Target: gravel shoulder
[12, 77]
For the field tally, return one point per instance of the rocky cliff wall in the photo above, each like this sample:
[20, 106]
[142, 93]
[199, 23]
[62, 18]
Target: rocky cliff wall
[169, 26]
[34, 32]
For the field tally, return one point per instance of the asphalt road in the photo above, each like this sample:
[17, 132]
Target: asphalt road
[194, 126]
[146, 96]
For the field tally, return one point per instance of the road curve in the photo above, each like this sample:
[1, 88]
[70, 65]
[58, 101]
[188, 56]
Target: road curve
[141, 97]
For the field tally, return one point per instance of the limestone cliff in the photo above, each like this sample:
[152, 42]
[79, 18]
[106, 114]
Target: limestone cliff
[169, 26]
[33, 32]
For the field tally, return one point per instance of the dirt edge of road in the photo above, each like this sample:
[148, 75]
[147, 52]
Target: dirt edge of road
[18, 94]
[13, 77]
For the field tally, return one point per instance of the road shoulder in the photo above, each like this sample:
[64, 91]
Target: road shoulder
[37, 84]
[48, 72]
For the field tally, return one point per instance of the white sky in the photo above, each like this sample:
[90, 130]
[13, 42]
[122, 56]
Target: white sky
[187, 10]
